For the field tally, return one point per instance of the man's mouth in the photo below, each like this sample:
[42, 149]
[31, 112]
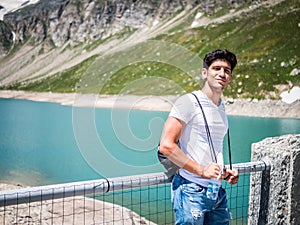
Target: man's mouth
[221, 81]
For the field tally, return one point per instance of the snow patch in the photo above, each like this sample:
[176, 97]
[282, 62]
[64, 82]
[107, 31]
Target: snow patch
[291, 96]
[7, 6]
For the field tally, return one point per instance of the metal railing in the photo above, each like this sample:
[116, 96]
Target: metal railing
[139, 199]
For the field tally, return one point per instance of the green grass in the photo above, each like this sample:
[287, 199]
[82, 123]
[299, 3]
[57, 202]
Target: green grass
[149, 78]
[63, 82]
[262, 39]
[266, 35]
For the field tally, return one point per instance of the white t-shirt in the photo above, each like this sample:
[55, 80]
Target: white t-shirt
[194, 141]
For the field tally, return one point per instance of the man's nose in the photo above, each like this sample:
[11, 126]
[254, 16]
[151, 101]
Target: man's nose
[222, 72]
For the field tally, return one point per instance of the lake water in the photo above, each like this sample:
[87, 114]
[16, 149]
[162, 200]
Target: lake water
[45, 143]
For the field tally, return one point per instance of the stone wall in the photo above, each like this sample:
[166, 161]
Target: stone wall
[278, 202]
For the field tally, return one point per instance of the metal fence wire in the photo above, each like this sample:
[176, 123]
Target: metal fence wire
[139, 199]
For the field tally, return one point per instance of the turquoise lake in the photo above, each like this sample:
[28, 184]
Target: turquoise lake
[43, 143]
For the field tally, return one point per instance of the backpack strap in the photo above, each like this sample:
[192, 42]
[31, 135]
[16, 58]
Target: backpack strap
[212, 150]
[229, 149]
[211, 146]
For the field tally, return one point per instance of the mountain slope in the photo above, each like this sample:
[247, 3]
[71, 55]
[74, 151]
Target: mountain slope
[258, 34]
[62, 38]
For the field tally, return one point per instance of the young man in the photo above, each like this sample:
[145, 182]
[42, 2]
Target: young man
[201, 165]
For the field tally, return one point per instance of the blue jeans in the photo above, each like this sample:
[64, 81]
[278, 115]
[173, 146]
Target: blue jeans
[191, 205]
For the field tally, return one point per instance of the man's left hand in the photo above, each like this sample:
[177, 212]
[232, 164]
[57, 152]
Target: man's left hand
[232, 176]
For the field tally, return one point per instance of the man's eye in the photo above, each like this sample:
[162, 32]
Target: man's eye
[228, 71]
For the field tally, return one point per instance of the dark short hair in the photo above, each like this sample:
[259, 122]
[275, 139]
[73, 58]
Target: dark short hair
[220, 54]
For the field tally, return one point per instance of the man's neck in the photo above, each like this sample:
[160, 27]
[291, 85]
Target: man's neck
[215, 97]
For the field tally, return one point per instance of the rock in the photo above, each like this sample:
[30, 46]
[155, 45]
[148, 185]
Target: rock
[283, 64]
[295, 72]
[60, 21]
[80, 21]
[283, 154]
[71, 210]
[263, 108]
[291, 96]
[6, 38]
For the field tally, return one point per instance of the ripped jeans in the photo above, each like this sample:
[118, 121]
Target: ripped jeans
[191, 205]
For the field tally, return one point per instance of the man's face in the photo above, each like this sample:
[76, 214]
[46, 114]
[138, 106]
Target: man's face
[218, 75]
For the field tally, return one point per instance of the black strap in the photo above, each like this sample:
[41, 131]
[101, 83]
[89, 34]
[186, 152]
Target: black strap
[229, 149]
[212, 150]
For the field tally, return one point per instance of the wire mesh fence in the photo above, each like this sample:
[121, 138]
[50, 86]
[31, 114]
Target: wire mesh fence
[139, 199]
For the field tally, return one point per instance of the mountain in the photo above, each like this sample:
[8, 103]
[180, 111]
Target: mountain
[53, 44]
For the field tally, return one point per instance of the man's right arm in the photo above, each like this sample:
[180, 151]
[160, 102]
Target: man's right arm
[168, 146]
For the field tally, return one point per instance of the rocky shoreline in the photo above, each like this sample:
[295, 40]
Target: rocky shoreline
[235, 107]
[70, 210]
[263, 108]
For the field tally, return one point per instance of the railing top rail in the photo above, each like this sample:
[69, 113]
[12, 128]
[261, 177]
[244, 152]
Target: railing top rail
[40, 193]
[56, 191]
[252, 166]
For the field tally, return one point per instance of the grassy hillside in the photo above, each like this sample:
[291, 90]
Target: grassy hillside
[266, 41]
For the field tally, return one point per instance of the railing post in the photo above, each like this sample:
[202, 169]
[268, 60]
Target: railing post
[264, 195]
[275, 194]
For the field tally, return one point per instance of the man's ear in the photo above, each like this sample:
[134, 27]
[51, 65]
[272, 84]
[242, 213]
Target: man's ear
[204, 73]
